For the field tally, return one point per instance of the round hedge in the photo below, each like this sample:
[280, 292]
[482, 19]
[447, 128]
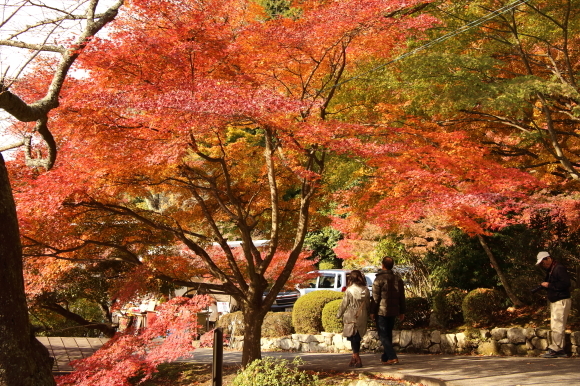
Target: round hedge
[447, 305]
[277, 324]
[480, 306]
[417, 313]
[330, 323]
[307, 312]
[232, 322]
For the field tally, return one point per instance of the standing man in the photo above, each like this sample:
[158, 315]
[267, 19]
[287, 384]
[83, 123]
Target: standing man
[557, 283]
[389, 303]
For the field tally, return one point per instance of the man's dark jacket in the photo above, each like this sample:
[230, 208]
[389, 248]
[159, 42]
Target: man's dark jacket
[388, 294]
[559, 282]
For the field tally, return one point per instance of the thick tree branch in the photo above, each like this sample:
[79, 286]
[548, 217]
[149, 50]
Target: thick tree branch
[38, 110]
[106, 329]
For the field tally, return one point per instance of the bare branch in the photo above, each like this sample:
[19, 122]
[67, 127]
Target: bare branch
[38, 110]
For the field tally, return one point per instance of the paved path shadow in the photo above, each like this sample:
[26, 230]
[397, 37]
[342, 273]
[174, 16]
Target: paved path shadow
[439, 370]
[430, 370]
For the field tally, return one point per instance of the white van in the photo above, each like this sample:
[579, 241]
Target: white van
[333, 280]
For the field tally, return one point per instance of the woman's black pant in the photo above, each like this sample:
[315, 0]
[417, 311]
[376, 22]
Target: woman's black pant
[355, 342]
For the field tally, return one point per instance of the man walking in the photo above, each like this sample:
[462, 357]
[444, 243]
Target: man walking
[557, 283]
[389, 303]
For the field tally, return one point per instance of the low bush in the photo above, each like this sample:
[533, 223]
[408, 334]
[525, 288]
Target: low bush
[232, 323]
[277, 324]
[522, 285]
[481, 305]
[417, 313]
[270, 371]
[447, 304]
[307, 312]
[330, 323]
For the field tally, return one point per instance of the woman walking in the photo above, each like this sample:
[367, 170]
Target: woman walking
[354, 311]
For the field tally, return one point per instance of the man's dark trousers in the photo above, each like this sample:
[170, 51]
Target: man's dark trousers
[385, 325]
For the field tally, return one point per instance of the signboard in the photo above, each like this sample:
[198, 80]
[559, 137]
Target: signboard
[223, 307]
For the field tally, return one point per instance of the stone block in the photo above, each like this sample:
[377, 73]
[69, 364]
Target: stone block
[508, 349]
[575, 338]
[319, 338]
[371, 341]
[269, 343]
[529, 345]
[461, 340]
[521, 349]
[530, 333]
[341, 343]
[499, 333]
[542, 333]
[304, 338]
[490, 348]
[435, 349]
[421, 339]
[317, 347]
[436, 337]
[516, 335]
[328, 340]
[405, 338]
[396, 337]
[448, 343]
[539, 343]
[485, 334]
[289, 344]
[374, 334]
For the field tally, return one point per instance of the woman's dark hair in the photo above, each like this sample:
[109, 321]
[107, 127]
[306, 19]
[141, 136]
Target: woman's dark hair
[356, 277]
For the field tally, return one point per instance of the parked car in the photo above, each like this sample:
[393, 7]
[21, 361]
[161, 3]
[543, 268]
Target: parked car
[333, 280]
[284, 300]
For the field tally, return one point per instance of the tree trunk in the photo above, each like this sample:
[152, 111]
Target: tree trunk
[252, 349]
[24, 361]
[506, 285]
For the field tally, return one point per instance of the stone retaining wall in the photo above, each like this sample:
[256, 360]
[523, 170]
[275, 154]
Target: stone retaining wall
[497, 341]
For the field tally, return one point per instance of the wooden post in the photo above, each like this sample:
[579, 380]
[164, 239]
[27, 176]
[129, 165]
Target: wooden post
[218, 357]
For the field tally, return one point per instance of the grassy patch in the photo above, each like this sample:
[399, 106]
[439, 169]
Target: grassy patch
[195, 374]
[188, 374]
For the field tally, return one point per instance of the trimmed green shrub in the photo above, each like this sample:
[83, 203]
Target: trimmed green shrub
[277, 324]
[523, 283]
[232, 323]
[481, 305]
[307, 312]
[270, 371]
[330, 323]
[447, 305]
[417, 313]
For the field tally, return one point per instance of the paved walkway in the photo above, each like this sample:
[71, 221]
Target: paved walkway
[430, 370]
[64, 350]
[439, 370]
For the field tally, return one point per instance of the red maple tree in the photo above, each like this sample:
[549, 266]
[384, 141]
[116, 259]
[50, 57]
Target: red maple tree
[195, 123]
